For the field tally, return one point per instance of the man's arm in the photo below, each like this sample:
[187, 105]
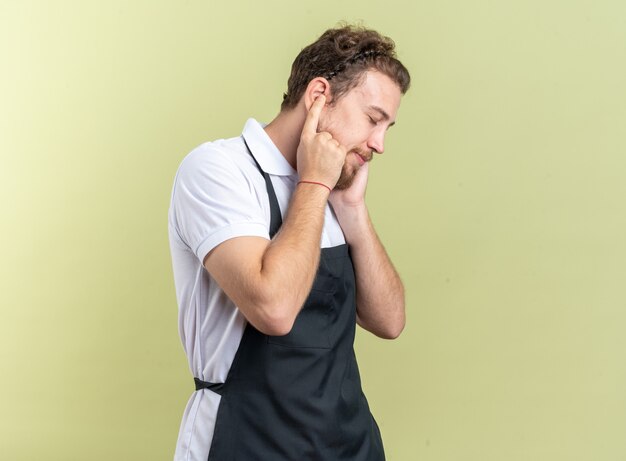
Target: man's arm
[270, 281]
[380, 292]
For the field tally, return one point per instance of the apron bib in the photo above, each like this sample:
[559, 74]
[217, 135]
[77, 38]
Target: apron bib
[298, 397]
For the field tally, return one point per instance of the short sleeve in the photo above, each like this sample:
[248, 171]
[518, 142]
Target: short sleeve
[213, 201]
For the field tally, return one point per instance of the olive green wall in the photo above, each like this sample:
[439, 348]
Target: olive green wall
[500, 197]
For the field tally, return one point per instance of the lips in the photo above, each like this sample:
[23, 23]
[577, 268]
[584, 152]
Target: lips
[362, 157]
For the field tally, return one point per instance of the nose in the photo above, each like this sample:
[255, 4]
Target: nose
[376, 142]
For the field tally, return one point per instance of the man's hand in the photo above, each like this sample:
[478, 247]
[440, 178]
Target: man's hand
[349, 205]
[353, 196]
[320, 157]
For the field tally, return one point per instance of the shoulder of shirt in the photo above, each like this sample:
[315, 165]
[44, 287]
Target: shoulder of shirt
[216, 157]
[213, 152]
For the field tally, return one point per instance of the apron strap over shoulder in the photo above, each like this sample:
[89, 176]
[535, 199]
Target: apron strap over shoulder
[276, 219]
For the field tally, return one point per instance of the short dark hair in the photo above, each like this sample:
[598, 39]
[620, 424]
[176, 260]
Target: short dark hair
[342, 56]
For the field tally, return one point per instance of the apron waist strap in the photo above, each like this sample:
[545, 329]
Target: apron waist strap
[215, 387]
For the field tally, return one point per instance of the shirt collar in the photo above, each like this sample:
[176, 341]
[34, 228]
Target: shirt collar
[265, 152]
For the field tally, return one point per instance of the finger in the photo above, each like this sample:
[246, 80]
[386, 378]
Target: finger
[313, 117]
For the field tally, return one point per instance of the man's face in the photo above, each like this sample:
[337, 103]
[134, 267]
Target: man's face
[359, 121]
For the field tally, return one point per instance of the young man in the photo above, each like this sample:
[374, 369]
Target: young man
[268, 319]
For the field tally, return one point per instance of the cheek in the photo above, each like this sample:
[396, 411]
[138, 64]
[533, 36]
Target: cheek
[328, 123]
[345, 127]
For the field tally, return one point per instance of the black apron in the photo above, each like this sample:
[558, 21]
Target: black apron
[298, 397]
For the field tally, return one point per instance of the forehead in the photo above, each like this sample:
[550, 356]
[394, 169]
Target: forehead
[376, 90]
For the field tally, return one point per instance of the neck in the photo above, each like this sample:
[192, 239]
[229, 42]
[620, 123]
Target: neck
[285, 130]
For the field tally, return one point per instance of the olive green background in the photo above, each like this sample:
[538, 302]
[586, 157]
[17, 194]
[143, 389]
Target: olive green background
[500, 197]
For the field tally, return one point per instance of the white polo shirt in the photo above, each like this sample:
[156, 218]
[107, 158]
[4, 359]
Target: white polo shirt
[220, 194]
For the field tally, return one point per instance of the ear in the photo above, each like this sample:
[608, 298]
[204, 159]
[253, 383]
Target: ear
[315, 88]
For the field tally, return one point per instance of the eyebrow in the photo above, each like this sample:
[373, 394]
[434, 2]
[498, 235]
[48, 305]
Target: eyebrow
[383, 114]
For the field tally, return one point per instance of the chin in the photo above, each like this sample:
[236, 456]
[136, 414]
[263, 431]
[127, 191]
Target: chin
[345, 180]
